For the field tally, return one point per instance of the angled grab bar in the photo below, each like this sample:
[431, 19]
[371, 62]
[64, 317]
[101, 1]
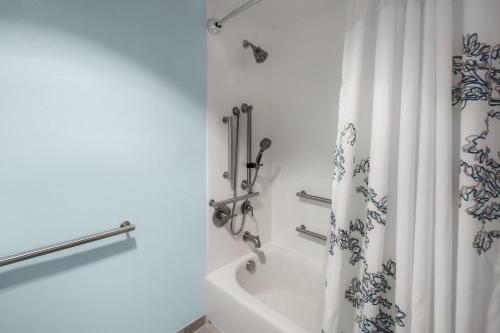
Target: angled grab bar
[302, 229]
[213, 203]
[303, 194]
[124, 228]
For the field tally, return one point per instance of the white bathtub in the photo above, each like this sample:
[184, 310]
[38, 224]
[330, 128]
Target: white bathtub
[283, 295]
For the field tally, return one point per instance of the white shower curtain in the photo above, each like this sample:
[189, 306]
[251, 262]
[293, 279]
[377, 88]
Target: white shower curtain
[414, 245]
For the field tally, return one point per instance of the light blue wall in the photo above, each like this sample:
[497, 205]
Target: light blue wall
[102, 119]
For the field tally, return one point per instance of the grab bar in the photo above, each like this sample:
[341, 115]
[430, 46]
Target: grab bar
[229, 173]
[213, 203]
[303, 229]
[303, 194]
[124, 228]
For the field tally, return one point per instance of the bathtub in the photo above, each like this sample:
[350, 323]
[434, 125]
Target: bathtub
[283, 295]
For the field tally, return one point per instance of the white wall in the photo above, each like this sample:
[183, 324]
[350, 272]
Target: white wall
[235, 78]
[306, 75]
[295, 97]
[100, 101]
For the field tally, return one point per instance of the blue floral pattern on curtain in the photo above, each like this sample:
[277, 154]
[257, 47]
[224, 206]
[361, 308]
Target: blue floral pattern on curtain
[398, 238]
[374, 286]
[478, 77]
[479, 72]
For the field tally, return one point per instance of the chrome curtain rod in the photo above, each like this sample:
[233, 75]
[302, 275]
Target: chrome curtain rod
[303, 229]
[303, 194]
[215, 25]
[213, 203]
[124, 228]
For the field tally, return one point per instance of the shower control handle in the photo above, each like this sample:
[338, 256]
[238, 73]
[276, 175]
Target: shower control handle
[246, 207]
[222, 214]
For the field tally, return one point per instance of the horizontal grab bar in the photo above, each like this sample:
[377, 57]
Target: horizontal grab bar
[213, 203]
[303, 194]
[124, 228]
[303, 229]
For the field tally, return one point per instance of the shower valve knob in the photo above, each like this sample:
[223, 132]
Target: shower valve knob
[222, 214]
[246, 208]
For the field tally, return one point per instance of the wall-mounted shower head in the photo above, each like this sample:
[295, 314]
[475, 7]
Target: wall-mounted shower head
[259, 54]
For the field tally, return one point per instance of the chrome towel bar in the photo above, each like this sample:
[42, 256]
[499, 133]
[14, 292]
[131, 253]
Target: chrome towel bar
[303, 194]
[124, 228]
[303, 229]
[213, 203]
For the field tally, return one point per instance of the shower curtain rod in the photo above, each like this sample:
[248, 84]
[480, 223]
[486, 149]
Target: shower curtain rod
[215, 25]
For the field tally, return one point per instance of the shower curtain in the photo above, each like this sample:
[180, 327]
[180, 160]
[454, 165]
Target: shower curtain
[414, 244]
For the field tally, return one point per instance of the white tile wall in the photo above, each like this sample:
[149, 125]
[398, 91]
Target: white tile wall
[234, 78]
[305, 93]
[295, 97]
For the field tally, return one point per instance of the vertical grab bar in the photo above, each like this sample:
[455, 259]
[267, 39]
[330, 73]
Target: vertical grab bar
[248, 110]
[235, 131]
[232, 151]
[229, 173]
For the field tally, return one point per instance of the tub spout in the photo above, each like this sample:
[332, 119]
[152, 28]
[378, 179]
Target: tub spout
[248, 237]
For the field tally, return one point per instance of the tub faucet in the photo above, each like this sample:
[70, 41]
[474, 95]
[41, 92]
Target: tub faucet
[248, 237]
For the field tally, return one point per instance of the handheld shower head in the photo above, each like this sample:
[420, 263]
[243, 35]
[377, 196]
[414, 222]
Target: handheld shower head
[259, 54]
[265, 144]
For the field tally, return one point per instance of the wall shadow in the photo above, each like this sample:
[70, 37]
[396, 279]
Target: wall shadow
[19, 276]
[168, 38]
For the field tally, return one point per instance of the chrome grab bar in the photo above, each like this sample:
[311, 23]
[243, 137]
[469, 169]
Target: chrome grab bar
[303, 229]
[229, 173]
[213, 203]
[124, 228]
[303, 194]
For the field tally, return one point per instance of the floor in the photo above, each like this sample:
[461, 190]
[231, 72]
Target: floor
[207, 328]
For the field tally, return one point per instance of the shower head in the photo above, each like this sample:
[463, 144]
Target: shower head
[259, 54]
[265, 144]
